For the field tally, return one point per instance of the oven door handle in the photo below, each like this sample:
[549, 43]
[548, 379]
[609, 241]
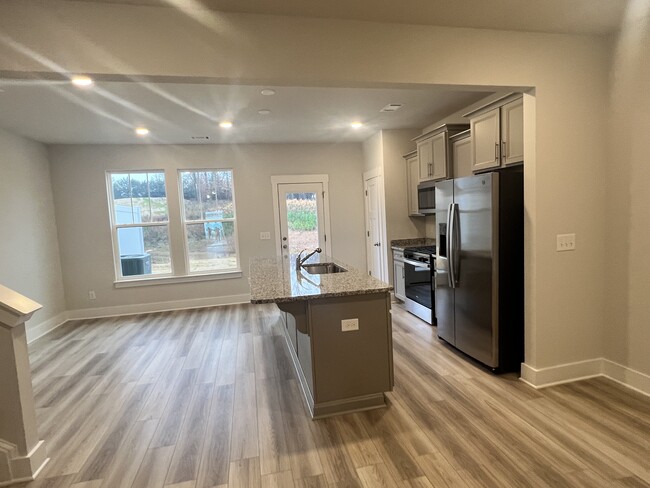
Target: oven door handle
[417, 264]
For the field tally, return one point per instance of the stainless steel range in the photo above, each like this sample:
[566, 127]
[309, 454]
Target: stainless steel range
[419, 266]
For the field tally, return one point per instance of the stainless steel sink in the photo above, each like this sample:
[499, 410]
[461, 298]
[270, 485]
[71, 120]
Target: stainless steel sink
[323, 268]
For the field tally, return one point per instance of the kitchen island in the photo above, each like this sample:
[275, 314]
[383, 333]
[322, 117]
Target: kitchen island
[337, 327]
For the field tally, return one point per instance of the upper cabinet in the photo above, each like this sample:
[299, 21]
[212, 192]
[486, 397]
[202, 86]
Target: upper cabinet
[512, 132]
[433, 152]
[461, 154]
[497, 135]
[412, 181]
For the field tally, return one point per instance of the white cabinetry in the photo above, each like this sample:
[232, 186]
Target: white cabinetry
[434, 152]
[398, 275]
[512, 132]
[412, 181]
[497, 135]
[425, 159]
[461, 154]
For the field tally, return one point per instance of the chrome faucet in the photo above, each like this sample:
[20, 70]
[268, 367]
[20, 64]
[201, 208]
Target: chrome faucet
[300, 259]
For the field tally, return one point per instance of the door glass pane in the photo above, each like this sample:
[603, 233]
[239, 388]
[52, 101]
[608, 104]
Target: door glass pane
[144, 250]
[302, 221]
[212, 246]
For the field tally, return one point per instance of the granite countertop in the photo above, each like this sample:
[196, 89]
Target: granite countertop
[275, 280]
[415, 241]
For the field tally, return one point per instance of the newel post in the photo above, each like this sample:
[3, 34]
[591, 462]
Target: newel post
[22, 454]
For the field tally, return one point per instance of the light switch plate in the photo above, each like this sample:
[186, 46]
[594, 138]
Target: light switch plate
[566, 242]
[265, 236]
[348, 325]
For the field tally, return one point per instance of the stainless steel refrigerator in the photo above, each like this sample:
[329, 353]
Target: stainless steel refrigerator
[479, 274]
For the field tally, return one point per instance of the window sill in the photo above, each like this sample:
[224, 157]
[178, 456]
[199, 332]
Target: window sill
[172, 280]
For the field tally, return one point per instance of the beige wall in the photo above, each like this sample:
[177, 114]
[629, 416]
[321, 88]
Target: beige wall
[566, 138]
[383, 151]
[396, 143]
[373, 156]
[627, 268]
[29, 248]
[79, 184]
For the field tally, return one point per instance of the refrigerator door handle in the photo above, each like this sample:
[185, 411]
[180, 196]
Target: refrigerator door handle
[450, 248]
[455, 244]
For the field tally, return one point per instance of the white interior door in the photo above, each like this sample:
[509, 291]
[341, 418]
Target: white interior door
[374, 227]
[302, 217]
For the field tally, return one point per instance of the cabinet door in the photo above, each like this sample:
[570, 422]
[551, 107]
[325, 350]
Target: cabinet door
[485, 141]
[439, 156]
[412, 179]
[461, 155]
[512, 132]
[425, 155]
[398, 279]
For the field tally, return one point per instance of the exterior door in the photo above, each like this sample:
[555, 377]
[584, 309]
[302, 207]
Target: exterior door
[302, 217]
[374, 229]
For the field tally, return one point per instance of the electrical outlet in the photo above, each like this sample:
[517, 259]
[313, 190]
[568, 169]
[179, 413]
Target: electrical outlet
[265, 236]
[566, 242]
[91, 295]
[349, 324]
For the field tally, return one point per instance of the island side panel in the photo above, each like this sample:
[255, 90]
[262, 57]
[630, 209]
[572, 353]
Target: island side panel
[354, 363]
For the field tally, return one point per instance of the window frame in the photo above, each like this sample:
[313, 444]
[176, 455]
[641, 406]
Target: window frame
[117, 264]
[184, 223]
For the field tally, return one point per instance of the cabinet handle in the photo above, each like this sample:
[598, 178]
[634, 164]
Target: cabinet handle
[503, 150]
[402, 272]
[496, 151]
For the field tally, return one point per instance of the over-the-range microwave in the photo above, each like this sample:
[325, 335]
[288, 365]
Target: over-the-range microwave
[427, 197]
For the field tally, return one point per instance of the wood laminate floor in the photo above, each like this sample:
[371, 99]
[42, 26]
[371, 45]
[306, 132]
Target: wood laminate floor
[208, 398]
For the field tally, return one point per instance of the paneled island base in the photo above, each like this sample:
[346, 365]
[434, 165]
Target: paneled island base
[341, 371]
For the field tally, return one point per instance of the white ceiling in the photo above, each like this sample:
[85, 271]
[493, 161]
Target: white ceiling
[559, 16]
[55, 112]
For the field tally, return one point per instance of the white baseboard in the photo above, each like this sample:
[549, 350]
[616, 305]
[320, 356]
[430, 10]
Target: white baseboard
[39, 330]
[567, 373]
[626, 376]
[21, 469]
[93, 313]
[36, 331]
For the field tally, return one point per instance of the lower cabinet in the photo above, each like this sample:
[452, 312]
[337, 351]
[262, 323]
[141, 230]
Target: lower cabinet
[398, 275]
[341, 370]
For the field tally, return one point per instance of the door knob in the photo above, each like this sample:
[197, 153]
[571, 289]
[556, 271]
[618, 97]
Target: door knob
[377, 244]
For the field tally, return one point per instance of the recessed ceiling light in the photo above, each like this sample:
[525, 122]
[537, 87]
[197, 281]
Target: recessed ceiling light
[226, 124]
[142, 131]
[82, 81]
[267, 92]
[356, 124]
[264, 111]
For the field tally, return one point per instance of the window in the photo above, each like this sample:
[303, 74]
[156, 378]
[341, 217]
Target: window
[140, 223]
[208, 214]
[193, 241]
